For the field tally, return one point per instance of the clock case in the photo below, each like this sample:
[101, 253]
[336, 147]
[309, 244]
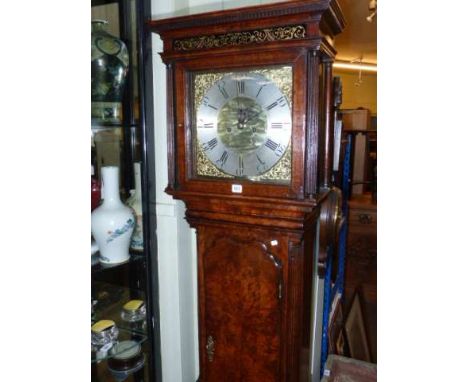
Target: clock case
[256, 250]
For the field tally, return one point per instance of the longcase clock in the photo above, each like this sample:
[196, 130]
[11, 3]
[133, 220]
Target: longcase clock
[250, 153]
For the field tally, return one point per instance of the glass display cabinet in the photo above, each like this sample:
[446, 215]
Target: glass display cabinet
[124, 325]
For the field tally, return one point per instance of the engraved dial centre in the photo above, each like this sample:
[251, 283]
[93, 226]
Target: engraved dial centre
[242, 125]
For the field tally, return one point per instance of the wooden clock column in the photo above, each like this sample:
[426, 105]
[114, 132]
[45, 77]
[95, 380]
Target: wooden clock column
[256, 238]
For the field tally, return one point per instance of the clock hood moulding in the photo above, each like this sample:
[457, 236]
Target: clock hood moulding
[323, 20]
[332, 13]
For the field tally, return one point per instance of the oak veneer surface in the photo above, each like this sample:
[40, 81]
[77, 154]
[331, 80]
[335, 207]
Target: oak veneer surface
[242, 282]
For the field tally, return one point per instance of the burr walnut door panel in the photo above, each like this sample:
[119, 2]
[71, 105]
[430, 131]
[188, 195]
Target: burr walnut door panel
[241, 309]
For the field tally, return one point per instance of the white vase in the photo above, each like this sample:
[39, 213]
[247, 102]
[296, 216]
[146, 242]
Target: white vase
[112, 223]
[134, 201]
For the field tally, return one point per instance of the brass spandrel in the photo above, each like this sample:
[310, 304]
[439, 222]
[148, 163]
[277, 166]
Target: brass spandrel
[281, 171]
[206, 168]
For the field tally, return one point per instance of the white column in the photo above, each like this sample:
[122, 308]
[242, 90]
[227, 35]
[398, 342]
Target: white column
[317, 321]
[317, 315]
[176, 249]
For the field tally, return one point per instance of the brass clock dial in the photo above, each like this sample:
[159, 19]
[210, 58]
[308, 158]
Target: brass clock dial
[243, 124]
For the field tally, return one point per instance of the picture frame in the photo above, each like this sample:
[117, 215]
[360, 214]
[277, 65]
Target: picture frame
[355, 330]
[336, 340]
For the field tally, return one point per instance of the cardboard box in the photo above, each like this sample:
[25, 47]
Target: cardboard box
[356, 119]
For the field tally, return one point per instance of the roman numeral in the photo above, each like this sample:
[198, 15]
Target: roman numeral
[222, 160]
[206, 102]
[240, 87]
[277, 125]
[223, 91]
[240, 169]
[280, 150]
[271, 145]
[280, 101]
[271, 106]
[261, 167]
[259, 90]
[275, 147]
[210, 145]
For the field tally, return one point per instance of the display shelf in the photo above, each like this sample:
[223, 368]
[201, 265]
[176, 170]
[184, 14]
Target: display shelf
[122, 142]
[96, 266]
[95, 127]
[95, 3]
[124, 335]
[102, 373]
[108, 301]
[99, 126]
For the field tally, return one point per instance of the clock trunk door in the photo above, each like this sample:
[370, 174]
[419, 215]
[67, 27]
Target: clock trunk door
[241, 285]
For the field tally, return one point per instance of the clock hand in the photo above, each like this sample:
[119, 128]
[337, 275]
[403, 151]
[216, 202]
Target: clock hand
[241, 116]
[238, 124]
[240, 110]
[253, 116]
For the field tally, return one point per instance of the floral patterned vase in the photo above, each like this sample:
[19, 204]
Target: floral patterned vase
[109, 67]
[112, 223]
[134, 201]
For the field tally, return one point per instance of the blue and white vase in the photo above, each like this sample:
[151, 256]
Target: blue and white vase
[134, 201]
[112, 223]
[109, 68]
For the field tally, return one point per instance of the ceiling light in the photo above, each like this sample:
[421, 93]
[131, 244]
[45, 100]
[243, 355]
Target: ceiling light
[372, 10]
[371, 17]
[351, 66]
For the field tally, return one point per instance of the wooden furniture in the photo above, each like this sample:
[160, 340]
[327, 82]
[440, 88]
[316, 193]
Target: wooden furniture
[122, 144]
[254, 185]
[364, 168]
[356, 119]
[361, 124]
